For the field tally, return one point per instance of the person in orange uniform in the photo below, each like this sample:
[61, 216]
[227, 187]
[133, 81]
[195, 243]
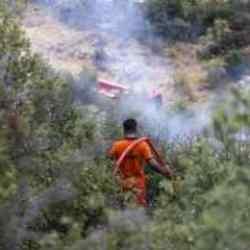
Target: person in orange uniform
[131, 173]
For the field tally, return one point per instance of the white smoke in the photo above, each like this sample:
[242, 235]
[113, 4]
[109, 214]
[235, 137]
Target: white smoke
[131, 54]
[166, 123]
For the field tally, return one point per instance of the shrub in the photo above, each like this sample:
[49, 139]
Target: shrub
[56, 189]
[234, 58]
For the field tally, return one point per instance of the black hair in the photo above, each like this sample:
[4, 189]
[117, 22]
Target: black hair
[130, 126]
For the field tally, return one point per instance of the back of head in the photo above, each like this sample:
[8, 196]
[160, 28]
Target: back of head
[130, 126]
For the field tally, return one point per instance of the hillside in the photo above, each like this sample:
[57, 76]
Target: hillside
[117, 54]
[123, 58]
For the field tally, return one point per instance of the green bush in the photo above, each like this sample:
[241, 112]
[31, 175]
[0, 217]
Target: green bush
[224, 24]
[204, 13]
[234, 58]
[56, 189]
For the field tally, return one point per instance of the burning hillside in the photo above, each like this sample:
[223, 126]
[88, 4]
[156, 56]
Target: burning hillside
[115, 53]
[116, 42]
[113, 39]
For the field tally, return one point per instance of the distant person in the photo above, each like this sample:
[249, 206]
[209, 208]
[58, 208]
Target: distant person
[131, 155]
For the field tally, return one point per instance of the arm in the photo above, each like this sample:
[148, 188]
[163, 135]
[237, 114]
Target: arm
[163, 170]
[149, 156]
[111, 152]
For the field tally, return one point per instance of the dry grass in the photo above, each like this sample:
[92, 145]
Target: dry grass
[64, 48]
[190, 75]
[187, 82]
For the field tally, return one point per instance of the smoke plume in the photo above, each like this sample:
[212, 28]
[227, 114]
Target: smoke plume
[124, 49]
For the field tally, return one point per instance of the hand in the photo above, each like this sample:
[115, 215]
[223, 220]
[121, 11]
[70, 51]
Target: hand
[170, 172]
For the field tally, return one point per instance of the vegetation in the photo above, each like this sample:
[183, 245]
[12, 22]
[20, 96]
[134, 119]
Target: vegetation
[56, 190]
[223, 24]
[209, 40]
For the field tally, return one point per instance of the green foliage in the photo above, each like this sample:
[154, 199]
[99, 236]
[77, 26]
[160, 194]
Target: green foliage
[202, 12]
[56, 189]
[13, 8]
[45, 139]
[223, 25]
[234, 58]
[219, 30]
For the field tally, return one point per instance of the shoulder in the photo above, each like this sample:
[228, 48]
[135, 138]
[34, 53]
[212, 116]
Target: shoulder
[119, 143]
[143, 144]
[145, 148]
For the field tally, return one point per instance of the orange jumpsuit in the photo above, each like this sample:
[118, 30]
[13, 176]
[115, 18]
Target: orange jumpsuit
[131, 171]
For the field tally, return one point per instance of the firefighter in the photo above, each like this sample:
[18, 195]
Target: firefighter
[131, 154]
